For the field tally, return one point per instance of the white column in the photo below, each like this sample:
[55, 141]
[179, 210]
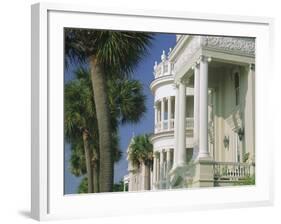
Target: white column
[196, 112]
[155, 117]
[158, 170]
[158, 112]
[162, 113]
[176, 137]
[203, 109]
[154, 170]
[161, 167]
[169, 159]
[181, 125]
[169, 112]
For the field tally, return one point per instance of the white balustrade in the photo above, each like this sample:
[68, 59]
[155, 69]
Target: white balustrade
[165, 125]
[162, 69]
[158, 128]
[231, 170]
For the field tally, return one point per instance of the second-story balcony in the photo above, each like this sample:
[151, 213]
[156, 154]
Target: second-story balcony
[169, 125]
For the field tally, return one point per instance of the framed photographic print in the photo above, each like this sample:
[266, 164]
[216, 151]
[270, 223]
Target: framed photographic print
[149, 111]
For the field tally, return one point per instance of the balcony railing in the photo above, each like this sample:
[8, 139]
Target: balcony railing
[232, 170]
[159, 128]
[165, 67]
[165, 125]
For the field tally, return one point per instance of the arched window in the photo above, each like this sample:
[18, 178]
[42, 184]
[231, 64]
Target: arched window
[237, 86]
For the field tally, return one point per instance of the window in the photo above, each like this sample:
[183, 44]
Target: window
[237, 86]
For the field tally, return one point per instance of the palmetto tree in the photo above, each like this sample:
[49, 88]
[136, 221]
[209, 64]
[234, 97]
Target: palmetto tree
[77, 159]
[79, 123]
[141, 155]
[124, 97]
[109, 53]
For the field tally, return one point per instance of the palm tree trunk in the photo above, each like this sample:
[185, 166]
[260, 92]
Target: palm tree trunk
[88, 161]
[103, 117]
[96, 176]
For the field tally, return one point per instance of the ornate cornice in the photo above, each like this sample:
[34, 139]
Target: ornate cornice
[234, 44]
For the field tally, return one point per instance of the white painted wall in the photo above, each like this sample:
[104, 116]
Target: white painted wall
[168, 90]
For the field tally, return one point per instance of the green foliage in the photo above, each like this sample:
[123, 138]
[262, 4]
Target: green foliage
[77, 159]
[83, 186]
[250, 180]
[118, 187]
[246, 157]
[117, 51]
[124, 97]
[140, 150]
[126, 100]
[79, 107]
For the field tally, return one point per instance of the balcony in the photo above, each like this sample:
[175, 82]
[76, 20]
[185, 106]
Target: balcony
[232, 171]
[163, 126]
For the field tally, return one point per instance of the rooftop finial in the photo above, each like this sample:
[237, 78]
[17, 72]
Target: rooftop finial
[155, 65]
[163, 56]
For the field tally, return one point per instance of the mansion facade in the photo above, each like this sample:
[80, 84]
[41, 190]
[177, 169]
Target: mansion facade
[204, 102]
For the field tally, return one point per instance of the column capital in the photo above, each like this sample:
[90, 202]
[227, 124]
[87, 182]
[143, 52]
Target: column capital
[184, 80]
[195, 65]
[203, 58]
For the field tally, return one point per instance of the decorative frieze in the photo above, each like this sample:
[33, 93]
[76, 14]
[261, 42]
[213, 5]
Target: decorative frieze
[233, 44]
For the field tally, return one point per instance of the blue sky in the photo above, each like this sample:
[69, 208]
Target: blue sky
[143, 73]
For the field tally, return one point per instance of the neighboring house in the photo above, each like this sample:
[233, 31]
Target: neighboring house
[204, 133]
[137, 179]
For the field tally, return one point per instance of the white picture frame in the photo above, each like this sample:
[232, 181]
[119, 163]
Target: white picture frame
[48, 201]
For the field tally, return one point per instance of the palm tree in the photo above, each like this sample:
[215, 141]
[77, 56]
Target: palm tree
[80, 120]
[77, 159]
[126, 100]
[109, 53]
[141, 155]
[124, 97]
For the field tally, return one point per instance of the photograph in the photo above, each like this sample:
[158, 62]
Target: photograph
[148, 111]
